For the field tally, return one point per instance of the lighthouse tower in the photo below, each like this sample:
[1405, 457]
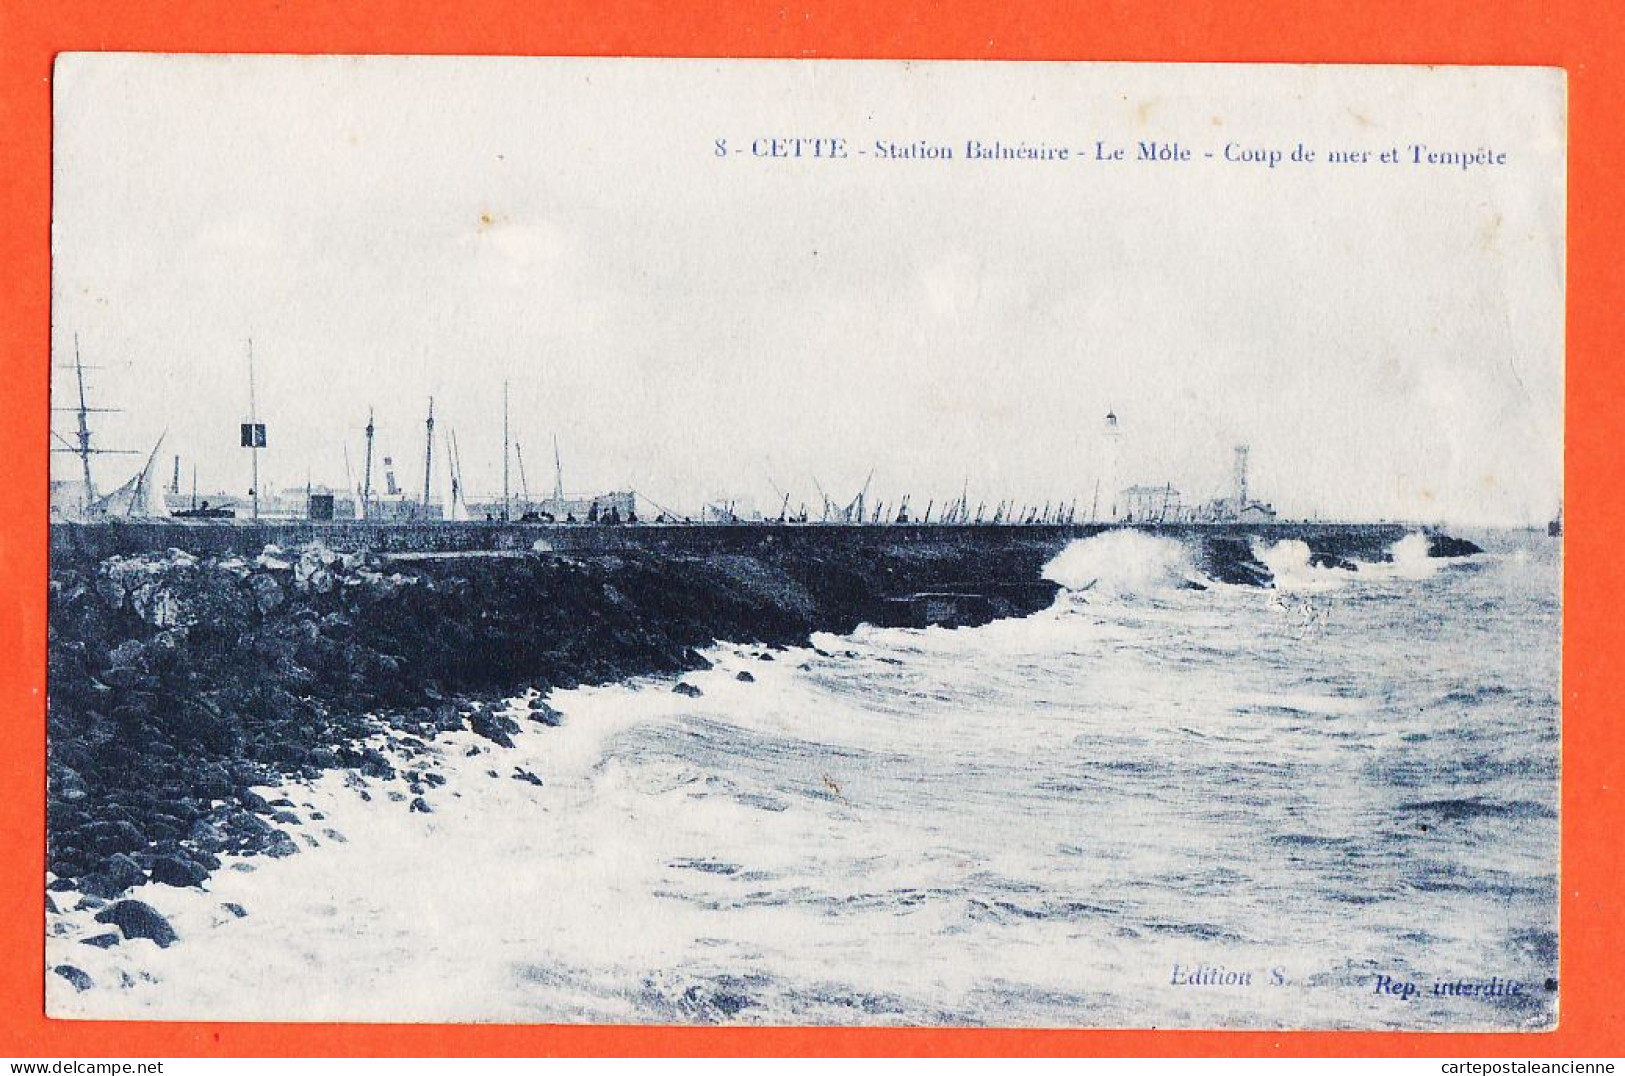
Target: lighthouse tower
[1242, 452]
[1113, 459]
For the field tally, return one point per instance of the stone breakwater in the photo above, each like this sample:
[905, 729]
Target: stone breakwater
[179, 684]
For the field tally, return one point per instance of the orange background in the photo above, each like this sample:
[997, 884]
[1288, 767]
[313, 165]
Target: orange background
[1587, 37]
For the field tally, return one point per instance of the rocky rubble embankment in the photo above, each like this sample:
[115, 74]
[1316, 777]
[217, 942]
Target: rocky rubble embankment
[178, 684]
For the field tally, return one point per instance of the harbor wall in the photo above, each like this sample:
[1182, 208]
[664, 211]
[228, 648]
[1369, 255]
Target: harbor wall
[1351, 540]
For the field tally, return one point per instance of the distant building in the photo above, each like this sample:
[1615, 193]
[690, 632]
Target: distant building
[1150, 504]
[401, 509]
[1240, 507]
[67, 499]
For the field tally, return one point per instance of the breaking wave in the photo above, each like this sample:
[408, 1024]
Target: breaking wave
[1123, 562]
[1128, 562]
[1412, 559]
[1292, 565]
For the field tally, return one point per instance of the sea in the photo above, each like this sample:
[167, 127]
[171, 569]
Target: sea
[1332, 803]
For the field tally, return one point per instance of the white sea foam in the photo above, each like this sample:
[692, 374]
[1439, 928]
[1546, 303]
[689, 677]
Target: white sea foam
[1122, 562]
[1289, 564]
[1408, 560]
[1411, 559]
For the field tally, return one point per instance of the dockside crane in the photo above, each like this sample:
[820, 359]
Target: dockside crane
[854, 511]
[825, 496]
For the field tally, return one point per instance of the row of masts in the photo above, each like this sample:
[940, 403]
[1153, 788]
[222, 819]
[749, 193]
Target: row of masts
[861, 510]
[512, 451]
[955, 512]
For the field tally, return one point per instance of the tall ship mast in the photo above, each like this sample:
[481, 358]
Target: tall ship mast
[82, 445]
[428, 455]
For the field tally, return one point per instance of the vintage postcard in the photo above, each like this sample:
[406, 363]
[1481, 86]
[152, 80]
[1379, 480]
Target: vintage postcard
[805, 543]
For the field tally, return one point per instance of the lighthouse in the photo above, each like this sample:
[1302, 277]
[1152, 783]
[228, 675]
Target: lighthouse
[1113, 452]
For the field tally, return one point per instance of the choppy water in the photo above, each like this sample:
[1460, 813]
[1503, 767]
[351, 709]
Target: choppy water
[1043, 821]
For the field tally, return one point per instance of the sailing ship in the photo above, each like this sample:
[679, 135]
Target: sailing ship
[142, 497]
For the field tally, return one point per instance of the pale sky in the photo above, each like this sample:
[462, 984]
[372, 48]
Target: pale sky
[1388, 338]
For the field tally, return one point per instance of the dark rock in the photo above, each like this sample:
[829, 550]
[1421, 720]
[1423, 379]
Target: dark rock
[546, 714]
[253, 801]
[235, 909]
[280, 845]
[118, 873]
[486, 725]
[50, 906]
[527, 777]
[61, 885]
[684, 688]
[169, 870]
[374, 764]
[126, 655]
[267, 592]
[101, 941]
[119, 835]
[745, 677]
[1442, 545]
[79, 979]
[127, 678]
[70, 786]
[207, 860]
[420, 805]
[138, 920]
[1331, 560]
[1231, 560]
[206, 836]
